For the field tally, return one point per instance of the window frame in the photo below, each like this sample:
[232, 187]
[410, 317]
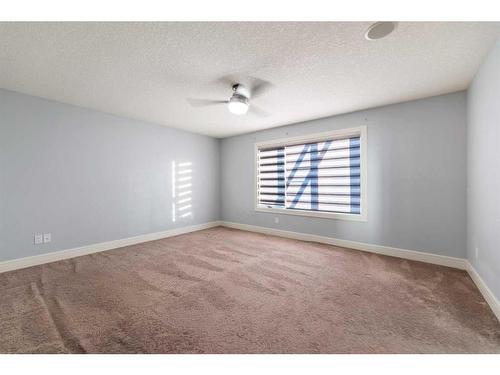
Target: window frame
[360, 131]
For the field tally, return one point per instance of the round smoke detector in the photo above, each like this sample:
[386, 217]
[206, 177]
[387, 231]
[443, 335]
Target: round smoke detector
[379, 30]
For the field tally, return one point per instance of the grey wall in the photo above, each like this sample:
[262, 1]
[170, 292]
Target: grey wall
[416, 177]
[483, 173]
[89, 177]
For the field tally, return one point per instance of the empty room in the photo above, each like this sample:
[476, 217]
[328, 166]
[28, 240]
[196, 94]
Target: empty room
[249, 187]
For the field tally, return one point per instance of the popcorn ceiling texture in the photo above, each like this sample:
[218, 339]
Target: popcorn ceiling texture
[229, 291]
[147, 71]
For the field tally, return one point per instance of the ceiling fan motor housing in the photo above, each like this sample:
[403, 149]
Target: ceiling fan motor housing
[239, 98]
[241, 90]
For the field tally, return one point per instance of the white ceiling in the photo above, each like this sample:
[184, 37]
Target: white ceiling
[147, 70]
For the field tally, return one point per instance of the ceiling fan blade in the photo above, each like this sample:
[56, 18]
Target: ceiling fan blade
[258, 111]
[204, 102]
[256, 85]
[228, 80]
[259, 87]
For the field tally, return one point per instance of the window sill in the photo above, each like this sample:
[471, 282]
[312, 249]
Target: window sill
[323, 215]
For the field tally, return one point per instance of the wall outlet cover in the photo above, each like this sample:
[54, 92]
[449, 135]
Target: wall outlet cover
[277, 220]
[47, 237]
[38, 239]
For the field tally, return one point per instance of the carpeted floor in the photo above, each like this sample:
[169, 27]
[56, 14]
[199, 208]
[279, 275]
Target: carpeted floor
[229, 291]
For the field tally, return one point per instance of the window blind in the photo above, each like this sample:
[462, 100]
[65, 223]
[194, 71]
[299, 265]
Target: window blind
[321, 176]
[271, 177]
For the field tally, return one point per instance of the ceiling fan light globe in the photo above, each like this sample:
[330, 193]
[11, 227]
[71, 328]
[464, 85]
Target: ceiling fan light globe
[238, 106]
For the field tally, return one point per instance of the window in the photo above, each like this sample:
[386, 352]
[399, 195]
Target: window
[318, 175]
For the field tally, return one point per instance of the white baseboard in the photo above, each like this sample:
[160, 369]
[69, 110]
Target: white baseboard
[459, 263]
[15, 264]
[378, 249]
[485, 291]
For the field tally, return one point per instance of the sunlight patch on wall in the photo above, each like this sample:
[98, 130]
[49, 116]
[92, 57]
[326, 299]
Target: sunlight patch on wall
[181, 190]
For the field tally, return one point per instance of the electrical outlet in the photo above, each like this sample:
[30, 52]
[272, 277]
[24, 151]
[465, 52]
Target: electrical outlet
[276, 220]
[476, 252]
[47, 237]
[38, 239]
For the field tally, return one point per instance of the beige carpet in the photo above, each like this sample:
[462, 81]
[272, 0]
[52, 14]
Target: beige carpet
[230, 291]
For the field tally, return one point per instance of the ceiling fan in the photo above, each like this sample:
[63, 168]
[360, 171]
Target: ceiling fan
[239, 102]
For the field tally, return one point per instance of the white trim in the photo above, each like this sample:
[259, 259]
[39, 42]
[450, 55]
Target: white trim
[15, 264]
[378, 249]
[315, 137]
[485, 291]
[360, 131]
[324, 215]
